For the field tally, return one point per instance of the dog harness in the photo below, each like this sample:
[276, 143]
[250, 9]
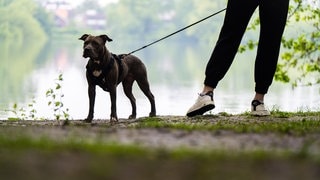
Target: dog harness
[99, 72]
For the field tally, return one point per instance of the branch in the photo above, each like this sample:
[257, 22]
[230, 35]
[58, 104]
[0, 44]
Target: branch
[296, 9]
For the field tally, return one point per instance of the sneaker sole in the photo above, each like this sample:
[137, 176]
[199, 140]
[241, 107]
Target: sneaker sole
[201, 110]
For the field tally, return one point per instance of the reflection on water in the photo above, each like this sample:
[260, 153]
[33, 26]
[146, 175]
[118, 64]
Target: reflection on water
[175, 74]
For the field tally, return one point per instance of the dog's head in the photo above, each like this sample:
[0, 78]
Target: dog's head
[94, 46]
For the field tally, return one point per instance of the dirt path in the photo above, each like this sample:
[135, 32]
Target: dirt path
[289, 151]
[167, 138]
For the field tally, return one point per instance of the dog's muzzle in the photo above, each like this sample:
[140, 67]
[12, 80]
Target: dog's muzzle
[87, 52]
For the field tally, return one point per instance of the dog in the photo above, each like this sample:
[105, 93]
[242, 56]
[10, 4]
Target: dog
[108, 70]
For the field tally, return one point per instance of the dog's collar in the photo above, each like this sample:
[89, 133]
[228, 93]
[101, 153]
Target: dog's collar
[103, 69]
[102, 72]
[96, 61]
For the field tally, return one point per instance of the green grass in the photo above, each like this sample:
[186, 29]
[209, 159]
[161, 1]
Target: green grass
[72, 144]
[157, 165]
[73, 159]
[36, 152]
[277, 123]
[300, 113]
[276, 113]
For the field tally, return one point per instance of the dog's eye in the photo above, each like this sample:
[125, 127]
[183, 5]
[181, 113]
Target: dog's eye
[95, 44]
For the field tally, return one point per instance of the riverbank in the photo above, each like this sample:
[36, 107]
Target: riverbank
[281, 146]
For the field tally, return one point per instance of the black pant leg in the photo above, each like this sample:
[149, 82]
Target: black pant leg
[273, 16]
[236, 20]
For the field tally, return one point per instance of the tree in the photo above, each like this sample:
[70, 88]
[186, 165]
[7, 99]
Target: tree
[203, 32]
[136, 18]
[148, 20]
[18, 21]
[300, 58]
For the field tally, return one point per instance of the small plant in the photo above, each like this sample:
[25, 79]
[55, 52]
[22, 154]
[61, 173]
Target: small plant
[55, 102]
[55, 96]
[32, 110]
[19, 112]
[22, 113]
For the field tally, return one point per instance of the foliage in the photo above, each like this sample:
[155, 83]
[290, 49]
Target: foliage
[24, 113]
[22, 38]
[54, 96]
[55, 100]
[146, 21]
[19, 20]
[300, 59]
[45, 20]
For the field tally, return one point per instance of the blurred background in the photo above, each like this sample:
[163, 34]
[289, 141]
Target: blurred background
[39, 41]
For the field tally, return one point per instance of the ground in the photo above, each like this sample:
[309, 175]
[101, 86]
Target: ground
[281, 146]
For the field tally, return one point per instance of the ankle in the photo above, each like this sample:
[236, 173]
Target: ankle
[208, 93]
[207, 89]
[259, 97]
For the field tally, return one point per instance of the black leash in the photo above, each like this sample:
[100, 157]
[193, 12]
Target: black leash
[178, 31]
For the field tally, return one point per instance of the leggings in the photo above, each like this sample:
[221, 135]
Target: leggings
[273, 16]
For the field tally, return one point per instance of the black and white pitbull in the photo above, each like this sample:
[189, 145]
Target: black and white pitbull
[107, 70]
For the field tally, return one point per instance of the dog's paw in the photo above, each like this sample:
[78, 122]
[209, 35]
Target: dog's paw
[88, 120]
[152, 114]
[113, 120]
[132, 116]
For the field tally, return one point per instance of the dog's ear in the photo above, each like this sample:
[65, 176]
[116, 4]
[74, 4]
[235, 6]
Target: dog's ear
[105, 38]
[84, 37]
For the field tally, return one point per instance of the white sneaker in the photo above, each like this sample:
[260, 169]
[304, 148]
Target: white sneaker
[258, 109]
[203, 104]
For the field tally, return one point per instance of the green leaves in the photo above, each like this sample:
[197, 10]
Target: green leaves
[54, 97]
[281, 74]
[300, 56]
[18, 21]
[24, 113]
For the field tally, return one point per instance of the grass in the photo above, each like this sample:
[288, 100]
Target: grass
[279, 122]
[15, 141]
[72, 159]
[134, 151]
[158, 165]
[51, 151]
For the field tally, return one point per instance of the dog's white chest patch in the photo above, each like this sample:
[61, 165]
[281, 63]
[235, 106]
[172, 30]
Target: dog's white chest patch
[97, 73]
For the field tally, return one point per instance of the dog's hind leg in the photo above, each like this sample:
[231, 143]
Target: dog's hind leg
[144, 86]
[127, 87]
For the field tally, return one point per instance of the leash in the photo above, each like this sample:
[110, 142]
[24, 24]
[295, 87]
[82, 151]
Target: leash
[182, 29]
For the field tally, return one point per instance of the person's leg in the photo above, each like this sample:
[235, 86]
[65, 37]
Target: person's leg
[207, 89]
[236, 20]
[273, 16]
[235, 23]
[259, 97]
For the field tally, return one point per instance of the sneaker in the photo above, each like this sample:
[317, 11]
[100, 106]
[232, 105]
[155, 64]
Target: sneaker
[258, 109]
[203, 104]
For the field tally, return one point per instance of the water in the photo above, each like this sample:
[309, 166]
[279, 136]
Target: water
[175, 73]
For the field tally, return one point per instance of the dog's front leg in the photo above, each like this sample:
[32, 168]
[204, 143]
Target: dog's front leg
[113, 97]
[92, 97]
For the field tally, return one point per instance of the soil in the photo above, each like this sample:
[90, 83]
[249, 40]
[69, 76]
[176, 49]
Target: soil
[168, 138]
[34, 163]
